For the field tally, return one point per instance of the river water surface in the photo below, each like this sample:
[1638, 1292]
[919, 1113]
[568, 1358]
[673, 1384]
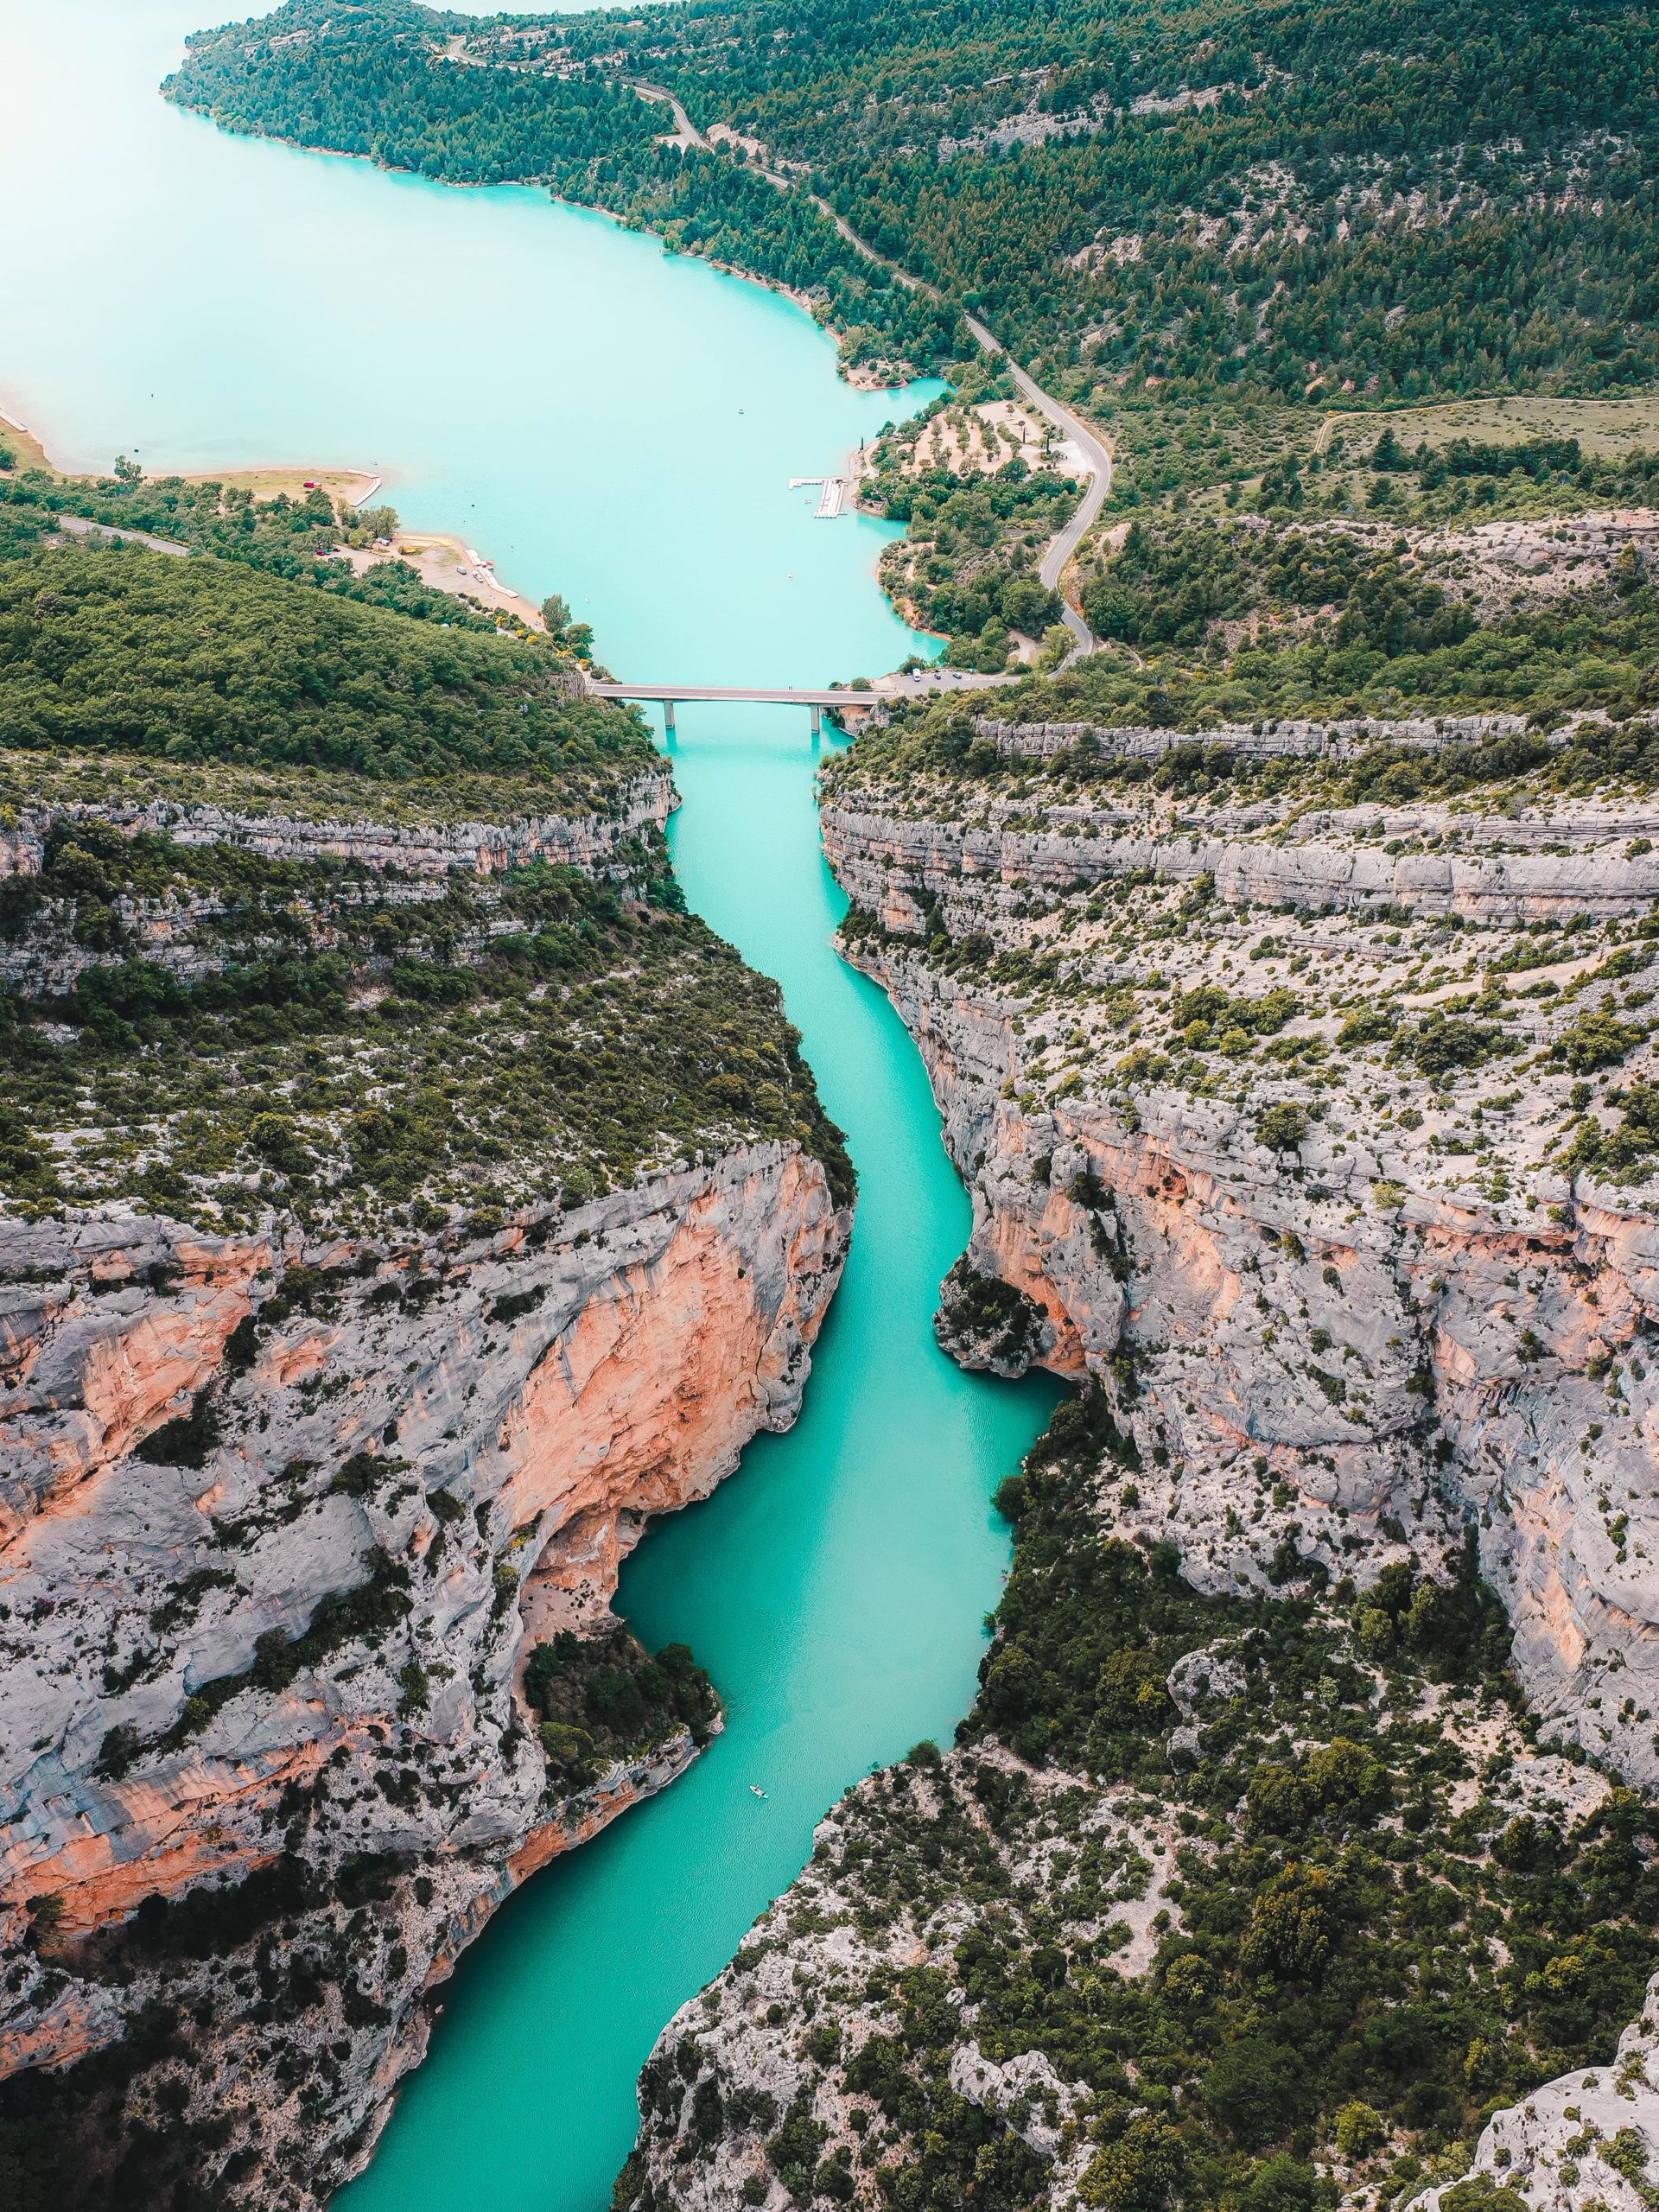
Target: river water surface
[621, 426]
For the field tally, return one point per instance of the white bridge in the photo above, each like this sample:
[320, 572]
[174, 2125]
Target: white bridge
[669, 696]
[927, 684]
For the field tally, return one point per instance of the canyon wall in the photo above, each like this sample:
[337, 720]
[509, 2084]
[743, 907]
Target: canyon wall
[1344, 1346]
[297, 1649]
[310, 1519]
[420, 847]
[1317, 1144]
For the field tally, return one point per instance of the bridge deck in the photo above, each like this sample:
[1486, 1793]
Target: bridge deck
[756, 695]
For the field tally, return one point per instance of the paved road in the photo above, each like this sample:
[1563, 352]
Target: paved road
[82, 526]
[1095, 492]
[929, 683]
[1093, 450]
[683, 123]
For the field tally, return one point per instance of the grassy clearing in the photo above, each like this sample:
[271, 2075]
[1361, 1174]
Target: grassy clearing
[1601, 426]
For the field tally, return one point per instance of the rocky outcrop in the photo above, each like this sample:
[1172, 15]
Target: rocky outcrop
[985, 1322]
[1590, 2138]
[590, 841]
[794, 2030]
[279, 1526]
[1357, 1340]
[1290, 738]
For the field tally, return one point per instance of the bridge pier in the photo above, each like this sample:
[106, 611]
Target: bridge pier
[817, 722]
[667, 716]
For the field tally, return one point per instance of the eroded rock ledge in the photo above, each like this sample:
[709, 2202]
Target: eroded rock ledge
[290, 1655]
[420, 848]
[1356, 1342]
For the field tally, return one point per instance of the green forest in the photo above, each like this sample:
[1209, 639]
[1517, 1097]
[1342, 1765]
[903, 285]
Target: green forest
[127, 651]
[289, 538]
[1371, 198]
[1396, 648]
[363, 80]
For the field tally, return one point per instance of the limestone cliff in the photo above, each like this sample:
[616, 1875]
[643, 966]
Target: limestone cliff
[300, 1651]
[1313, 1140]
[396, 1216]
[1405, 1316]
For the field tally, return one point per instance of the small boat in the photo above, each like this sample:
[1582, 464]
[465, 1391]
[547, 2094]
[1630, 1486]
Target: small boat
[755, 1790]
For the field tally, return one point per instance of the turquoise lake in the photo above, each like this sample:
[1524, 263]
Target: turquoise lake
[620, 426]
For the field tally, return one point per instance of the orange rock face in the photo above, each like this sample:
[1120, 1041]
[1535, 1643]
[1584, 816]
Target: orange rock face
[303, 1644]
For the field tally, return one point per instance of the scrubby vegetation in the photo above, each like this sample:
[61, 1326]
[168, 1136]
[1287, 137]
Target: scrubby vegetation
[300, 538]
[1228, 624]
[604, 1697]
[985, 1322]
[355, 1048]
[968, 564]
[1355, 1942]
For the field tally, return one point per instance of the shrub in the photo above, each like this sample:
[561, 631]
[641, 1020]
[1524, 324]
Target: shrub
[1282, 1127]
[1595, 1040]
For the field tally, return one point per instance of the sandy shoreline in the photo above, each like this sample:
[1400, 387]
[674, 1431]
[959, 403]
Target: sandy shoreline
[447, 563]
[444, 561]
[29, 452]
[355, 487]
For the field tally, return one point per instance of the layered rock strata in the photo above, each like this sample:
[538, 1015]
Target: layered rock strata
[1316, 1142]
[300, 1513]
[592, 842]
[1409, 1313]
[1013, 1974]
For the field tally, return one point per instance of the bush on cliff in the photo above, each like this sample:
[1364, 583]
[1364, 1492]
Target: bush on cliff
[602, 1698]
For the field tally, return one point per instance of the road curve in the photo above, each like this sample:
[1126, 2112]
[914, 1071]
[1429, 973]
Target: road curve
[1094, 493]
[1093, 448]
[683, 123]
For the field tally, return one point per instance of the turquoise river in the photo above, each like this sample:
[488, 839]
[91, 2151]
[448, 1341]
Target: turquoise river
[607, 420]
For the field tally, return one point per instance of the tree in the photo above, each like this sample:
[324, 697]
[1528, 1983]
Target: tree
[1282, 1127]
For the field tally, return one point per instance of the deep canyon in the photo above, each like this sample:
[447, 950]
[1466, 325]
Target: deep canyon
[835, 1589]
[1305, 1806]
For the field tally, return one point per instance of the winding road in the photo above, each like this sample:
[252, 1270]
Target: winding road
[1093, 448]
[1099, 458]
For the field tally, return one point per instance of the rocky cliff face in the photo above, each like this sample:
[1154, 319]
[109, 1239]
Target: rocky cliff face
[1405, 1318]
[297, 1527]
[1588, 2137]
[1150, 1922]
[1314, 1142]
[591, 841]
[295, 1649]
